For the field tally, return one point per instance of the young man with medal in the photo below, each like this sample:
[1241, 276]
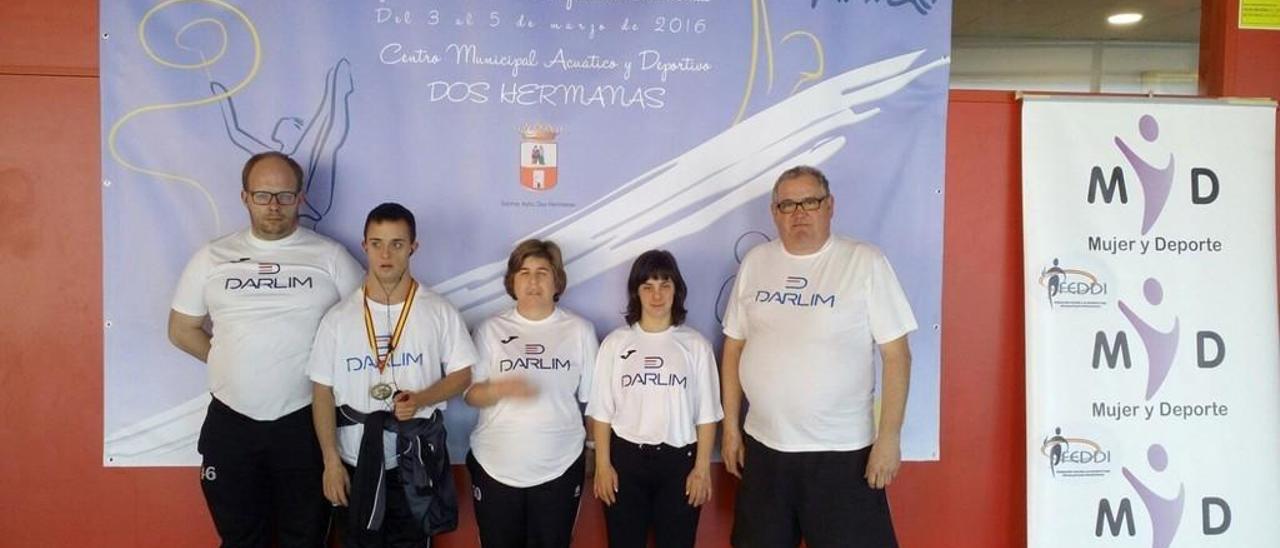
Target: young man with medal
[385, 361]
[264, 290]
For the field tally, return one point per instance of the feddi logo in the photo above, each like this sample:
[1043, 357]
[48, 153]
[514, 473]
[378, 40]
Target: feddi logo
[1072, 287]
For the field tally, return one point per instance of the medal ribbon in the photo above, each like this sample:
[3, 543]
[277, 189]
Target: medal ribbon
[395, 333]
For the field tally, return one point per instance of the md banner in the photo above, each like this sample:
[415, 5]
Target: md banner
[1151, 331]
[609, 126]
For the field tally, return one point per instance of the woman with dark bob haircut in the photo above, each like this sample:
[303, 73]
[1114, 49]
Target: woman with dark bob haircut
[655, 402]
[527, 459]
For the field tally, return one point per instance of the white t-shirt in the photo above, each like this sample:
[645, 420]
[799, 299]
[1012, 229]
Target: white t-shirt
[265, 299]
[656, 387]
[434, 343]
[810, 324]
[526, 442]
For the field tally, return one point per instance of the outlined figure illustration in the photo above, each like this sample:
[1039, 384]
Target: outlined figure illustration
[741, 246]
[314, 143]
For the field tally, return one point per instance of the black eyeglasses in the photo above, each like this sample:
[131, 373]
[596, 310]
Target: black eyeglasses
[807, 204]
[284, 198]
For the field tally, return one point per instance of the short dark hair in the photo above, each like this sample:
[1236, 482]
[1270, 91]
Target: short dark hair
[655, 264]
[391, 211]
[542, 249]
[253, 161]
[798, 172]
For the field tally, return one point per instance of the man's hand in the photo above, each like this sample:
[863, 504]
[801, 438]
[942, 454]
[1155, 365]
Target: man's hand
[336, 483]
[698, 485]
[732, 451]
[886, 453]
[882, 465]
[406, 405]
[731, 397]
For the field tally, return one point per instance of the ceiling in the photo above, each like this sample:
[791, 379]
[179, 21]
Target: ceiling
[1164, 20]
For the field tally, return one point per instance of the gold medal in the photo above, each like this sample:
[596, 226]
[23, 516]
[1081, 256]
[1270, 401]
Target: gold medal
[396, 332]
[381, 391]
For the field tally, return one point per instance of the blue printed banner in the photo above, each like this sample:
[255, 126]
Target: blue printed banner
[610, 127]
[1152, 344]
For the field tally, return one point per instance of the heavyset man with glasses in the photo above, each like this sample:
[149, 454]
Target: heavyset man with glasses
[264, 289]
[800, 326]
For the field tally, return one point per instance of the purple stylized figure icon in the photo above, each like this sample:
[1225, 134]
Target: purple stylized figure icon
[1156, 182]
[1165, 513]
[1161, 346]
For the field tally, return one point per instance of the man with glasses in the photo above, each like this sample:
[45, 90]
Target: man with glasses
[806, 314]
[264, 290]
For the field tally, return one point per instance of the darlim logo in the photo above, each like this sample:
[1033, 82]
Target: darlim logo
[531, 360]
[263, 282]
[653, 378]
[289, 282]
[792, 294]
[359, 363]
[533, 363]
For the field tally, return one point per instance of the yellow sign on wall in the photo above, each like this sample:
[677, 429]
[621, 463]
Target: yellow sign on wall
[1260, 14]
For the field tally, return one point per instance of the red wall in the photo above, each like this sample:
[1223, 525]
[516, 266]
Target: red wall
[55, 492]
[1238, 63]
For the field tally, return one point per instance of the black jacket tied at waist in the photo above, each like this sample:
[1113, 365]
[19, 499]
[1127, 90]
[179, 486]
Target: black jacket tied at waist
[422, 459]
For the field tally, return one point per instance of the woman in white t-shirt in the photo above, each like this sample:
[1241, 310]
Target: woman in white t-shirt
[535, 365]
[655, 403]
